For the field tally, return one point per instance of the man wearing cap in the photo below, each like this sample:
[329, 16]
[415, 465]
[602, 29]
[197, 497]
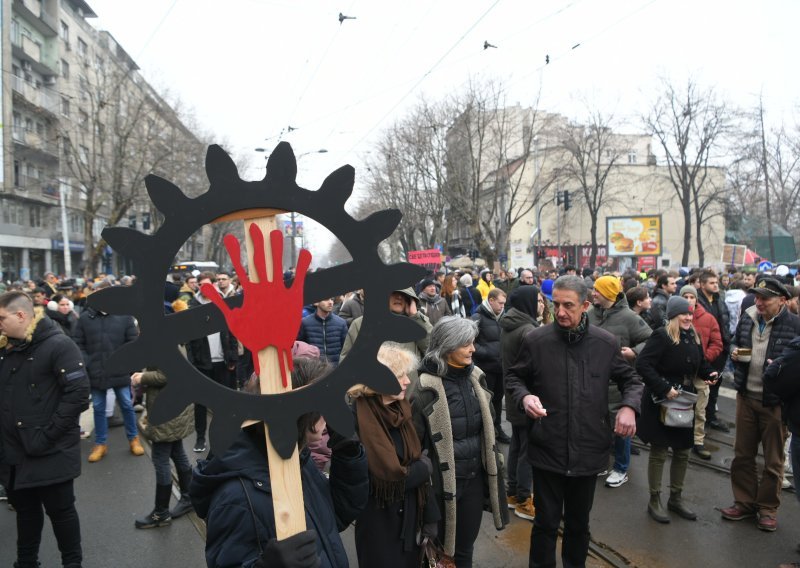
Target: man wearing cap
[431, 303]
[610, 311]
[764, 331]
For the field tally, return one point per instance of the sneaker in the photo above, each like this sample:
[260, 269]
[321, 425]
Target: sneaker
[200, 445]
[734, 513]
[767, 523]
[512, 502]
[616, 478]
[526, 510]
[138, 408]
[3, 494]
[785, 483]
[701, 452]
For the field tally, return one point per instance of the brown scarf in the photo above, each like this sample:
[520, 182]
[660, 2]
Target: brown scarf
[386, 471]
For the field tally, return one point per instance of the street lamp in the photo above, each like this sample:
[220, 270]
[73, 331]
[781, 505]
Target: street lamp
[292, 214]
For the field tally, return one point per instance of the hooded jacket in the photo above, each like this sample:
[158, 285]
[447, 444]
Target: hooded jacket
[515, 324]
[623, 323]
[733, 301]
[487, 344]
[43, 390]
[708, 330]
[233, 534]
[98, 335]
[435, 307]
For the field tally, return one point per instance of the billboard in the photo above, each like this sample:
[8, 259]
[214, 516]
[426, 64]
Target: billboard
[634, 236]
[430, 259]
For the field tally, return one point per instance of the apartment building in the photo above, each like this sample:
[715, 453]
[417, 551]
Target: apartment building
[82, 130]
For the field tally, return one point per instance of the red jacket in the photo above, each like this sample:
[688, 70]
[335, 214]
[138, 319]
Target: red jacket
[708, 329]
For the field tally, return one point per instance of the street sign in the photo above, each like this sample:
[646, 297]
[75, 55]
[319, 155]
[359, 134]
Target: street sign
[765, 265]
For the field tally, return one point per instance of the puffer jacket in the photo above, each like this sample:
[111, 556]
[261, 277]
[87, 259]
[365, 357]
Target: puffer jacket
[515, 324]
[153, 380]
[438, 432]
[327, 335]
[709, 332]
[658, 309]
[719, 310]
[43, 390]
[232, 539]
[571, 380]
[98, 335]
[621, 322]
[785, 327]
[487, 344]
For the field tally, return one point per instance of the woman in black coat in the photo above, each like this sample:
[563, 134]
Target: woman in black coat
[401, 503]
[671, 358]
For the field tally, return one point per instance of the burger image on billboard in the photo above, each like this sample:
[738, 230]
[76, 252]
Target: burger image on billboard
[616, 236]
[624, 245]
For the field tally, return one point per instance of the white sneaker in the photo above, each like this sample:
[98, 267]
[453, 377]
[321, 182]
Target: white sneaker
[616, 478]
[785, 483]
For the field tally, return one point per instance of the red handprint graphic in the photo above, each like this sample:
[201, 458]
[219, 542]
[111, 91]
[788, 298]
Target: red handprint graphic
[271, 312]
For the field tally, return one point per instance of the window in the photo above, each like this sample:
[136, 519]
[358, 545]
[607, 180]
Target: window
[64, 69]
[84, 118]
[28, 124]
[76, 223]
[84, 89]
[632, 156]
[16, 173]
[64, 31]
[64, 106]
[13, 213]
[83, 153]
[32, 171]
[35, 216]
[40, 129]
[82, 48]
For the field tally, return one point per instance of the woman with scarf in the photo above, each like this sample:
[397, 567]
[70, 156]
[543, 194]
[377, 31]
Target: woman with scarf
[452, 413]
[400, 505]
[671, 360]
[452, 296]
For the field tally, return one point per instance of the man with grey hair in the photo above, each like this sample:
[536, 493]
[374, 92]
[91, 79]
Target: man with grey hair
[560, 380]
[44, 388]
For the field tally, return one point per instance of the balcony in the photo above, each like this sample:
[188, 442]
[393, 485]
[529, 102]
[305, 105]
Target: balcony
[33, 141]
[36, 15]
[41, 97]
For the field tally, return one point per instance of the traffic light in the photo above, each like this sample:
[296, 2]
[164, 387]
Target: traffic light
[566, 200]
[558, 198]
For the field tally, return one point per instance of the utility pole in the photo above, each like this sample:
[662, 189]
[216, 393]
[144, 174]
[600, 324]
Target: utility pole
[62, 201]
[766, 181]
[558, 223]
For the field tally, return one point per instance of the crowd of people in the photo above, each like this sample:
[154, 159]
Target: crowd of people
[580, 363]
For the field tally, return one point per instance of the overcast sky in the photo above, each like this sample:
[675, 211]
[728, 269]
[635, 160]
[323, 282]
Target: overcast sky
[252, 68]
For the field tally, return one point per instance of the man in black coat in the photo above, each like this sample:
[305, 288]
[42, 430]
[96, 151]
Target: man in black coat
[98, 335]
[487, 353]
[43, 390]
[560, 380]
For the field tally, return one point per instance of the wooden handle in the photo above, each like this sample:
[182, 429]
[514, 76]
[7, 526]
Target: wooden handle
[287, 485]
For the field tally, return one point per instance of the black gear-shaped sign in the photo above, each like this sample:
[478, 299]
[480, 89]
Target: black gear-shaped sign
[160, 333]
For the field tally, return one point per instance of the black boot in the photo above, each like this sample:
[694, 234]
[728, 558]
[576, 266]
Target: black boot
[184, 505]
[676, 505]
[655, 508]
[159, 517]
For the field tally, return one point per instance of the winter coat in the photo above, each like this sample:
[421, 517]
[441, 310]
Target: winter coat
[327, 335]
[708, 330]
[233, 535]
[783, 379]
[733, 301]
[66, 322]
[571, 380]
[455, 305]
[198, 351]
[484, 288]
[621, 322]
[717, 308]
[418, 347]
[435, 307]
[98, 335]
[515, 324]
[439, 432]
[785, 327]
[658, 309]
[153, 380]
[352, 308]
[663, 365]
[487, 344]
[43, 390]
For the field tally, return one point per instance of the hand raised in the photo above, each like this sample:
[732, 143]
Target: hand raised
[271, 312]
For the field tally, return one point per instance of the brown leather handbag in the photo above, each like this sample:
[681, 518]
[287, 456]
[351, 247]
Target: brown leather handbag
[433, 556]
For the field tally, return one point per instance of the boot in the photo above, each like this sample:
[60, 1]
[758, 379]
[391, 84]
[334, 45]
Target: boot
[184, 505]
[676, 505]
[98, 452]
[655, 508]
[159, 516]
[136, 447]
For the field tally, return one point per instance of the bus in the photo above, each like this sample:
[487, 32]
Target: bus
[195, 266]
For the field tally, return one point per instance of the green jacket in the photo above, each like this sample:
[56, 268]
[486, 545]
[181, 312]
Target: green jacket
[153, 380]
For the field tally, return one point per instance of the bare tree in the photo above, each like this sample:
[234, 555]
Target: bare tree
[490, 154]
[690, 125]
[592, 154]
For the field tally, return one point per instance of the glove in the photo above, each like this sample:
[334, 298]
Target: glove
[338, 442]
[430, 530]
[427, 461]
[297, 551]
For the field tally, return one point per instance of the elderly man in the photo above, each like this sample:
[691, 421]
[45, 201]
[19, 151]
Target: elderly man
[764, 331]
[43, 389]
[560, 380]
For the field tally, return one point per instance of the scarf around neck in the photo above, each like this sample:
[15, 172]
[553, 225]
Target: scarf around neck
[575, 334]
[387, 471]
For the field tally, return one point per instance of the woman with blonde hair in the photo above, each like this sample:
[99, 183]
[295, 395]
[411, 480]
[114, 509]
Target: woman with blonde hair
[400, 505]
[669, 363]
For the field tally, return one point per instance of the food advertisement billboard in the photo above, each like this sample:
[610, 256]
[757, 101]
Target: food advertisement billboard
[634, 236]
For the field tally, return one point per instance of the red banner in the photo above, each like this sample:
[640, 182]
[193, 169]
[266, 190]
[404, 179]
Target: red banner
[430, 259]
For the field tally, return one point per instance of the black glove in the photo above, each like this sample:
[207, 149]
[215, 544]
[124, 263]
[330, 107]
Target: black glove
[297, 551]
[430, 530]
[427, 461]
[338, 442]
